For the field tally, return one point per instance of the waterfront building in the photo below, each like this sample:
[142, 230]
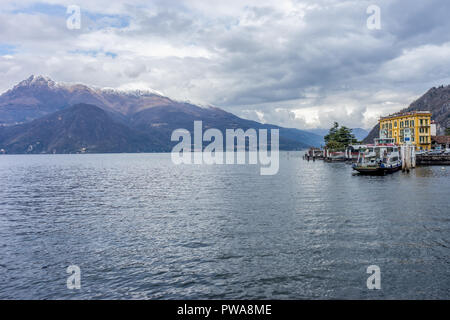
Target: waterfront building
[433, 129]
[412, 127]
[440, 142]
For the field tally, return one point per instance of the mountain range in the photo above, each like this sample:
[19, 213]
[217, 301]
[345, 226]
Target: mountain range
[39, 115]
[435, 100]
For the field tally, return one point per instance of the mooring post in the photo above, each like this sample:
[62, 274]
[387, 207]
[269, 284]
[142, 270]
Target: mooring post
[402, 154]
[408, 158]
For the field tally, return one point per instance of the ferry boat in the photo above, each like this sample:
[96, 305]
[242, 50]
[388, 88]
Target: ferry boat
[379, 158]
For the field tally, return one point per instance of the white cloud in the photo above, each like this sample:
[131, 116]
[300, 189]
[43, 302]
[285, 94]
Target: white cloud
[293, 63]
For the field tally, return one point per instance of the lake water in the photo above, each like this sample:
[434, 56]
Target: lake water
[140, 227]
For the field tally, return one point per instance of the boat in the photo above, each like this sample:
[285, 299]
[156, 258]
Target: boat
[379, 158]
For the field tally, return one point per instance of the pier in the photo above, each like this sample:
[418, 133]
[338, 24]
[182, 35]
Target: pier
[408, 155]
[349, 155]
[430, 160]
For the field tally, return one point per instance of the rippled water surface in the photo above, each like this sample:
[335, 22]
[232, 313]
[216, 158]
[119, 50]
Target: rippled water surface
[140, 227]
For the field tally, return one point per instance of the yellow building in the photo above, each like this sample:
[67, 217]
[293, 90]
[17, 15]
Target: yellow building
[414, 125]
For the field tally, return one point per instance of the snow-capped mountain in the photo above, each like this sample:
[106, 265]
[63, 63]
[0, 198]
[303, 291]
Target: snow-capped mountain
[30, 108]
[38, 95]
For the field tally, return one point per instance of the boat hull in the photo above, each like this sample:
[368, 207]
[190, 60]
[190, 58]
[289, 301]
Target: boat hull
[377, 171]
[371, 171]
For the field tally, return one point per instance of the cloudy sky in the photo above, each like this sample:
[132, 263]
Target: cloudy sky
[300, 64]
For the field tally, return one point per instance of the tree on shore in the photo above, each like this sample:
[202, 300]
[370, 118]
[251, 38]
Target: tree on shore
[338, 138]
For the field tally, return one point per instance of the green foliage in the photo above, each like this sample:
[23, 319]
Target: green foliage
[447, 131]
[332, 133]
[339, 138]
[335, 146]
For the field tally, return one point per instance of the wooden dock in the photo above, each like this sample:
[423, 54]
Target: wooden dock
[429, 160]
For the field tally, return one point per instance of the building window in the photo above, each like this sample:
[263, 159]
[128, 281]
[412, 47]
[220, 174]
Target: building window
[412, 123]
[395, 124]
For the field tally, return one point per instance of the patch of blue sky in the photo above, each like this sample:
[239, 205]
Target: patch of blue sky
[111, 54]
[42, 8]
[94, 53]
[107, 20]
[7, 49]
[97, 20]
